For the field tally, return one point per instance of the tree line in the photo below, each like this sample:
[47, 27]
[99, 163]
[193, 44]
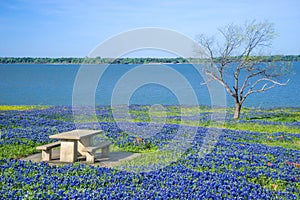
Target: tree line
[99, 60]
[88, 60]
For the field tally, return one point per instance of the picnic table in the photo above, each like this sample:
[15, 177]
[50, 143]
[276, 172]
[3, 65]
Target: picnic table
[75, 142]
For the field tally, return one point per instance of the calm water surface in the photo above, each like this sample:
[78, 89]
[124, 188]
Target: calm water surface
[28, 84]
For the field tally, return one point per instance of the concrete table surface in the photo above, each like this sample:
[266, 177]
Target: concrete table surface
[76, 134]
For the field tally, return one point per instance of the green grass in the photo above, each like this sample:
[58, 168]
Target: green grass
[9, 107]
[17, 150]
[275, 141]
[256, 127]
[269, 183]
[131, 147]
[274, 115]
[152, 158]
[294, 144]
[245, 126]
[277, 115]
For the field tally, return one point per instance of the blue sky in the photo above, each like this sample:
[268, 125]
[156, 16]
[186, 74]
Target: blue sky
[58, 28]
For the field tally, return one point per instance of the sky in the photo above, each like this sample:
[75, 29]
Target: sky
[73, 28]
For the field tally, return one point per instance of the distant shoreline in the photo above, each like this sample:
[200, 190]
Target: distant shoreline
[99, 60]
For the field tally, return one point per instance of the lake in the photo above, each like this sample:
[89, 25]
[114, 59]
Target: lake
[35, 84]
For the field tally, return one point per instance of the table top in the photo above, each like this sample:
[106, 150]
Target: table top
[76, 134]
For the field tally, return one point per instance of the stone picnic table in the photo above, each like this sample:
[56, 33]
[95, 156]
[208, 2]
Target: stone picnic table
[75, 142]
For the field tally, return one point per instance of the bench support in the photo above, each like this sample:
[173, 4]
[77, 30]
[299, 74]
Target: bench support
[105, 151]
[47, 150]
[84, 142]
[46, 155]
[90, 151]
[90, 158]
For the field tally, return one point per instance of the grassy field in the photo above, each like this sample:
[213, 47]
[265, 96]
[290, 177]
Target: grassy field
[258, 154]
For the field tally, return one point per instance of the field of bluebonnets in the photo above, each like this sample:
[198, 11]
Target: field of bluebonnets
[257, 157]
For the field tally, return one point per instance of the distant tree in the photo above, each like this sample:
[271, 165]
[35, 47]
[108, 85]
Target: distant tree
[239, 70]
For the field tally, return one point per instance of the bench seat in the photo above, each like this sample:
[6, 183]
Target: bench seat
[47, 150]
[90, 151]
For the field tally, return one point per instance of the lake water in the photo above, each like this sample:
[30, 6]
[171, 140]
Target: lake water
[26, 84]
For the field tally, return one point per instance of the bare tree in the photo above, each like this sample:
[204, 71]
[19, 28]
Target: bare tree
[239, 68]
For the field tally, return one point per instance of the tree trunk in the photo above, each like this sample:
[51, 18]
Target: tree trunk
[237, 111]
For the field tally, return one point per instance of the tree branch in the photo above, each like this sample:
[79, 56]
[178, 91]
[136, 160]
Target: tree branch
[244, 85]
[265, 87]
[221, 81]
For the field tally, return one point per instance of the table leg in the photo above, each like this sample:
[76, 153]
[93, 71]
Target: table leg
[68, 151]
[84, 142]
